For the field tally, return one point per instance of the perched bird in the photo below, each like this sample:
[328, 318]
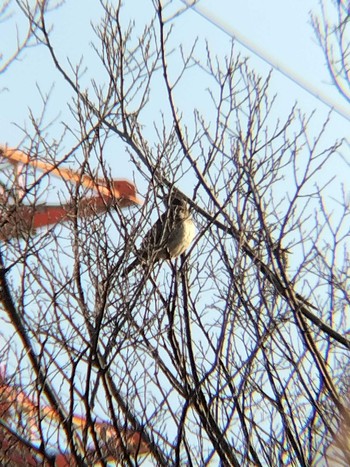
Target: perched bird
[168, 238]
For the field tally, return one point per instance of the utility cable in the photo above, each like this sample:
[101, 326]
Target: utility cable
[267, 58]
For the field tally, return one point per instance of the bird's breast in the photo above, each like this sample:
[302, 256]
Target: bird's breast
[181, 237]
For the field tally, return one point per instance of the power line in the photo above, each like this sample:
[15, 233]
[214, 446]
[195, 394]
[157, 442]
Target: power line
[267, 58]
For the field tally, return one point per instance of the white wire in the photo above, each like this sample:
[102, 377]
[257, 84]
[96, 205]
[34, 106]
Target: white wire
[269, 59]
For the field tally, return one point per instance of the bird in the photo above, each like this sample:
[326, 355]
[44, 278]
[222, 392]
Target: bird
[168, 238]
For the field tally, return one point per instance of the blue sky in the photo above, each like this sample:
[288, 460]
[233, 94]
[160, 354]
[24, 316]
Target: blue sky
[282, 32]
[280, 29]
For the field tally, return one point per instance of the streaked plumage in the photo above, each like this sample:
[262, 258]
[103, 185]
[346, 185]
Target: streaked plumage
[168, 238]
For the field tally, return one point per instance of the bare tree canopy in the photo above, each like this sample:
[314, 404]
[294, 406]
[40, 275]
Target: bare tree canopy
[333, 33]
[229, 348]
